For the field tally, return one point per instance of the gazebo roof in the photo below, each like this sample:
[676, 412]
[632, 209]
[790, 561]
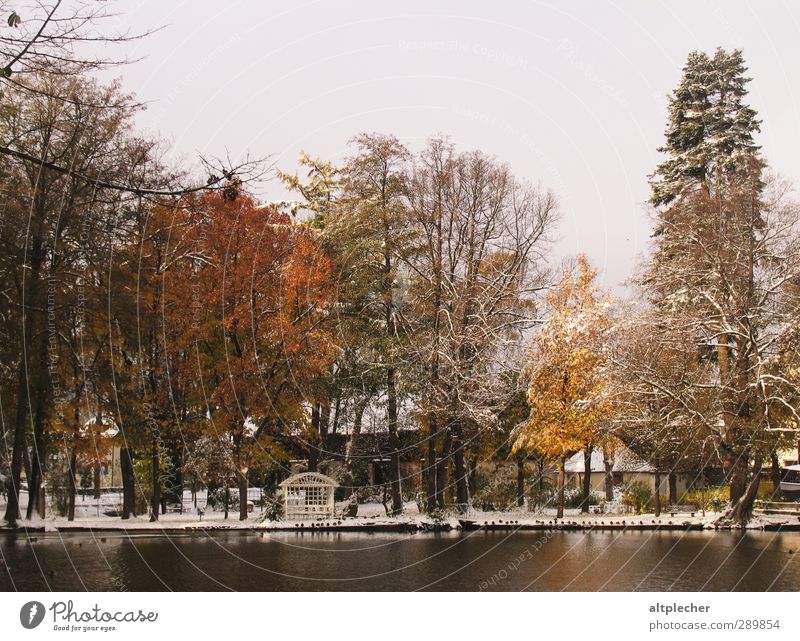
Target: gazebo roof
[309, 479]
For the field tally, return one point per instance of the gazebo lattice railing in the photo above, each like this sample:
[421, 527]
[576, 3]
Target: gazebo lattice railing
[307, 495]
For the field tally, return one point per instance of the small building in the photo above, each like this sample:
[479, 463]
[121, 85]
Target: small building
[627, 468]
[307, 495]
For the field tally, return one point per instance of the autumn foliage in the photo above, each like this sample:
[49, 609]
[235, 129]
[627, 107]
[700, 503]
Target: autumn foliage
[568, 393]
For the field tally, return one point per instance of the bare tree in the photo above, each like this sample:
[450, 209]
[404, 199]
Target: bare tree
[480, 240]
[724, 272]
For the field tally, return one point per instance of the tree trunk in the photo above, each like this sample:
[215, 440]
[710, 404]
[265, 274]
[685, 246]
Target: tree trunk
[743, 509]
[12, 514]
[155, 503]
[71, 489]
[520, 481]
[128, 483]
[313, 448]
[609, 477]
[430, 467]
[460, 471]
[442, 466]
[673, 488]
[775, 474]
[587, 478]
[657, 496]
[473, 475]
[540, 474]
[394, 442]
[96, 471]
[324, 425]
[350, 451]
[560, 496]
[227, 500]
[738, 478]
[35, 497]
[243, 495]
[27, 374]
[34, 483]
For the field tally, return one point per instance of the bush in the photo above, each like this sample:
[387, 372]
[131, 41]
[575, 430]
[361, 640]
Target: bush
[573, 498]
[637, 495]
[712, 499]
[766, 491]
[498, 494]
[271, 507]
[547, 497]
[541, 497]
[217, 498]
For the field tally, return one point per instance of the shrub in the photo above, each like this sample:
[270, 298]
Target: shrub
[271, 507]
[500, 493]
[541, 497]
[712, 499]
[637, 495]
[573, 498]
[217, 498]
[766, 491]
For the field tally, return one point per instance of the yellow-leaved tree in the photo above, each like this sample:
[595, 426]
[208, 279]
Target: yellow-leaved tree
[568, 391]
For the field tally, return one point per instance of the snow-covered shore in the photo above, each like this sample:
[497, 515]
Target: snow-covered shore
[490, 521]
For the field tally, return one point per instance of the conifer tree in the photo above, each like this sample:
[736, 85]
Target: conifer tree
[710, 128]
[717, 267]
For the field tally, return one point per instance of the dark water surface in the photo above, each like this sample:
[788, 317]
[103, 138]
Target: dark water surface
[451, 561]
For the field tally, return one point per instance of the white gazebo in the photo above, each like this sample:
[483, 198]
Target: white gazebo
[307, 495]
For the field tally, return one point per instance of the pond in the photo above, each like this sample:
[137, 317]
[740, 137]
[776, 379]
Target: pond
[550, 561]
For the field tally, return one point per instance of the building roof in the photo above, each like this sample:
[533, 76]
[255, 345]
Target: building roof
[624, 461]
[306, 479]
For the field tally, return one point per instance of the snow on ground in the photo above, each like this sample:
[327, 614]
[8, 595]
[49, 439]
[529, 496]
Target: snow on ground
[93, 514]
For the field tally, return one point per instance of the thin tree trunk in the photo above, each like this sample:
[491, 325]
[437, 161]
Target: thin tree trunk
[587, 478]
[775, 474]
[352, 445]
[394, 442]
[324, 425]
[460, 471]
[313, 453]
[520, 481]
[243, 495]
[560, 496]
[673, 488]
[609, 478]
[430, 467]
[442, 466]
[35, 499]
[657, 497]
[155, 503]
[540, 476]
[71, 489]
[96, 471]
[473, 475]
[352, 442]
[34, 482]
[128, 483]
[12, 514]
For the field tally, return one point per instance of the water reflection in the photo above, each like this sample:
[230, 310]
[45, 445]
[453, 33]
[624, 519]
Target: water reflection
[551, 561]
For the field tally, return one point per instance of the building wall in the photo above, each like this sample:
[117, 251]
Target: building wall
[110, 473]
[598, 481]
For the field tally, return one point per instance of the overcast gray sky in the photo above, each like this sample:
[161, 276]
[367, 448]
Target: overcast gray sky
[570, 94]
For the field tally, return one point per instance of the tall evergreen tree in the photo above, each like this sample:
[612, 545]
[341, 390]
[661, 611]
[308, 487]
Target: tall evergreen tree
[717, 269]
[710, 129]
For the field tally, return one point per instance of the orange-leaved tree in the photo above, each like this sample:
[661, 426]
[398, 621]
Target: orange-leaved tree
[265, 288]
[568, 391]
